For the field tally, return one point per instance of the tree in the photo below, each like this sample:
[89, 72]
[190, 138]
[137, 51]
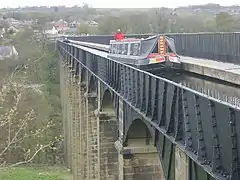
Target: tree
[29, 105]
[23, 137]
[159, 21]
[193, 23]
[224, 21]
[109, 25]
[88, 9]
[84, 29]
[55, 9]
[137, 23]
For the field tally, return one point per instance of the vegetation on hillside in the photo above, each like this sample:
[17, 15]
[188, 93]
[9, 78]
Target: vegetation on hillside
[30, 121]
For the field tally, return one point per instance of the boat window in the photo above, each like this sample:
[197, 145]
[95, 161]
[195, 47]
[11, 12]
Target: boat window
[124, 49]
[135, 49]
[114, 48]
[118, 49]
[155, 50]
[168, 49]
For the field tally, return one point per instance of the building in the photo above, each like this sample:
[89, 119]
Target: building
[54, 30]
[12, 21]
[60, 25]
[2, 32]
[7, 52]
[73, 24]
[93, 23]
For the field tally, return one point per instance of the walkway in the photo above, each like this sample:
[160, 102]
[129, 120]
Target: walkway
[219, 70]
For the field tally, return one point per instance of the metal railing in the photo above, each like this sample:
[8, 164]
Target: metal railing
[195, 122]
[223, 47]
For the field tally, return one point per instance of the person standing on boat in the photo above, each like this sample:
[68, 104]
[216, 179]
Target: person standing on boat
[118, 35]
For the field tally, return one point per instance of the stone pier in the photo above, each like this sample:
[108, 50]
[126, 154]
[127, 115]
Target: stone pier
[96, 145]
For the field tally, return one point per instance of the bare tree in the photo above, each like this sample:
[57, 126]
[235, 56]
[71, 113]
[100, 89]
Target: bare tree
[21, 133]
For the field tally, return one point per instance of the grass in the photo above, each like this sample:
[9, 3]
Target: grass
[30, 173]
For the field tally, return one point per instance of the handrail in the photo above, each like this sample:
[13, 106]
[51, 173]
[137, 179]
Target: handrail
[97, 46]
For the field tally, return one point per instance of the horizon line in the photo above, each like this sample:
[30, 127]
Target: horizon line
[78, 5]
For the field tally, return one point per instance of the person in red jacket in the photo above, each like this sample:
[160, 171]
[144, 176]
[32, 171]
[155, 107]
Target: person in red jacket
[118, 35]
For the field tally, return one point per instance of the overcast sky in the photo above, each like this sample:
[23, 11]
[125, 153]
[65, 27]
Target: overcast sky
[115, 3]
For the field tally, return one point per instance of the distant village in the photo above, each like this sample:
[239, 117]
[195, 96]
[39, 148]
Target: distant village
[62, 27]
[52, 28]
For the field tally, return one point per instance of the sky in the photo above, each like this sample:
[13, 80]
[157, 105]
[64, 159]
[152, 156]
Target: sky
[115, 3]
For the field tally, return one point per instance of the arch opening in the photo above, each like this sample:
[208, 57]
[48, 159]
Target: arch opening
[108, 136]
[107, 103]
[144, 154]
[92, 88]
[77, 68]
[138, 134]
[83, 75]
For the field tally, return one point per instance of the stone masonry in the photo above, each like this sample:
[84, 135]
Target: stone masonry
[93, 147]
[139, 163]
[108, 153]
[83, 133]
[93, 135]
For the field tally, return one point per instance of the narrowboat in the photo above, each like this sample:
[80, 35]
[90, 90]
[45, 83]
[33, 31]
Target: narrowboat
[154, 51]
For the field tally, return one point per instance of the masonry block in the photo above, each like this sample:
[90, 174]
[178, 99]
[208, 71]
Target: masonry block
[69, 118]
[74, 127]
[83, 134]
[181, 165]
[93, 137]
[139, 163]
[90, 139]
[108, 153]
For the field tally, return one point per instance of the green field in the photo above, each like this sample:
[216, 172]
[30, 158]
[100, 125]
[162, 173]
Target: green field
[29, 173]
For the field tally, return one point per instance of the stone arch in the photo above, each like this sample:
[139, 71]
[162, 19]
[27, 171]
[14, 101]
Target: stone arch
[77, 69]
[107, 102]
[139, 134]
[108, 136]
[83, 75]
[92, 86]
[144, 154]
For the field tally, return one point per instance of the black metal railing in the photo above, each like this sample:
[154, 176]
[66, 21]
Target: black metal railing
[223, 47]
[205, 128]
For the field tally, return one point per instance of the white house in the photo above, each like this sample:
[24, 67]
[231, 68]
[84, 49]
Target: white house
[8, 52]
[52, 31]
[2, 32]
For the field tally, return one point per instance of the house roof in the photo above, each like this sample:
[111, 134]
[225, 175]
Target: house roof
[6, 52]
[93, 22]
[61, 21]
[2, 31]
